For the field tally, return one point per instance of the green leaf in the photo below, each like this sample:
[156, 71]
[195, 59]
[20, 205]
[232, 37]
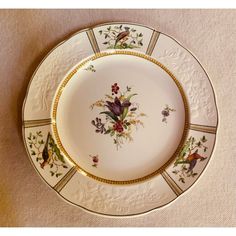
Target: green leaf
[125, 112]
[105, 43]
[185, 168]
[140, 35]
[126, 109]
[41, 142]
[184, 150]
[64, 166]
[30, 135]
[199, 144]
[52, 173]
[110, 114]
[100, 32]
[203, 139]
[60, 157]
[107, 131]
[56, 150]
[33, 153]
[58, 174]
[130, 96]
[112, 133]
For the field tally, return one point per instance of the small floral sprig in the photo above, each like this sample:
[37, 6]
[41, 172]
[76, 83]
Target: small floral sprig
[90, 68]
[95, 160]
[46, 153]
[188, 157]
[100, 127]
[166, 112]
[121, 115]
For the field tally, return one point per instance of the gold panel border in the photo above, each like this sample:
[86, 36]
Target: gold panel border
[65, 179]
[152, 42]
[36, 123]
[203, 128]
[172, 184]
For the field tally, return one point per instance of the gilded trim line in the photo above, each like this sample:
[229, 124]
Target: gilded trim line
[173, 185]
[203, 128]
[93, 41]
[36, 123]
[65, 179]
[152, 43]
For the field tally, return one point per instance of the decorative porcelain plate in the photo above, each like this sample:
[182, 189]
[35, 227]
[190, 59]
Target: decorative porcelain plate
[120, 119]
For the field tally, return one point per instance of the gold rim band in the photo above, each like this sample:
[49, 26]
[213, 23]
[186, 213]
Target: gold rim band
[67, 79]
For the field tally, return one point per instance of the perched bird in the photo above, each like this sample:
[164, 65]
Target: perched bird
[45, 154]
[192, 160]
[122, 35]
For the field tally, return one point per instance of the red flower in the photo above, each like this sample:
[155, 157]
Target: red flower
[115, 88]
[118, 126]
[95, 159]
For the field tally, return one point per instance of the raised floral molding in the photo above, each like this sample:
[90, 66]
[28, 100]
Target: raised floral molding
[49, 76]
[193, 81]
[118, 200]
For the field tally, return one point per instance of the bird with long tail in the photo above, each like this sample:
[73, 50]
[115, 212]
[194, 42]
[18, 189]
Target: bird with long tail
[46, 154]
[191, 160]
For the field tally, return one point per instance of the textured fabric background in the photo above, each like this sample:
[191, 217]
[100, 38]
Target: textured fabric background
[25, 38]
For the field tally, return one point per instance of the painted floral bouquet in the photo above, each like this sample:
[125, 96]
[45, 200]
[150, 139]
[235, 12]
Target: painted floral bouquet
[121, 115]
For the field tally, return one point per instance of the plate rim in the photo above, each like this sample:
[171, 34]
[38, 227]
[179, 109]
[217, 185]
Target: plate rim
[153, 29]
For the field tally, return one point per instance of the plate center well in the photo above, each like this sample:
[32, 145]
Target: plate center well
[120, 117]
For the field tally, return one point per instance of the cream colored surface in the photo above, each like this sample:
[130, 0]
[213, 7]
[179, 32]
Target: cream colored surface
[26, 37]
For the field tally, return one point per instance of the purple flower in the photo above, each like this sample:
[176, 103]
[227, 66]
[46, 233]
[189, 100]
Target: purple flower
[116, 107]
[165, 112]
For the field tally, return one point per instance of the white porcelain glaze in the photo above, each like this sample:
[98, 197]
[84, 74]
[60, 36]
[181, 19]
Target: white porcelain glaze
[155, 89]
[152, 143]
